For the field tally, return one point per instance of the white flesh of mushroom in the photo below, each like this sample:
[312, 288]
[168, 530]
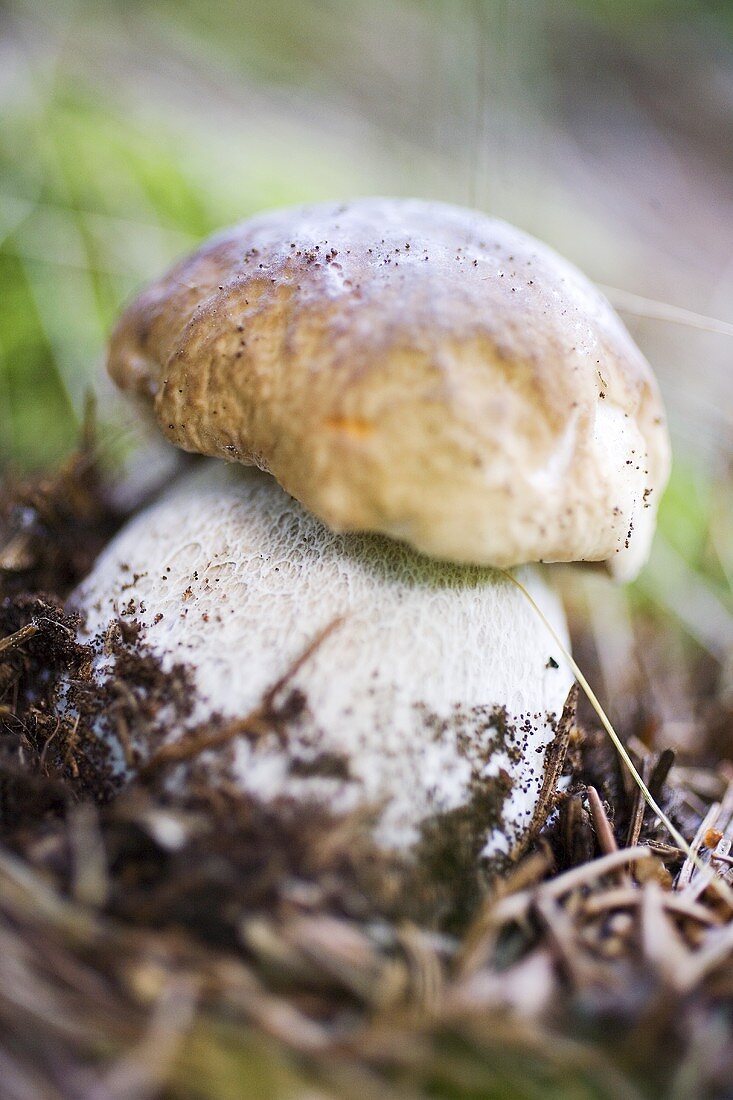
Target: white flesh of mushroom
[230, 575]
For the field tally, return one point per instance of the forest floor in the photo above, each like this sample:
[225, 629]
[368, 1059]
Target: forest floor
[155, 944]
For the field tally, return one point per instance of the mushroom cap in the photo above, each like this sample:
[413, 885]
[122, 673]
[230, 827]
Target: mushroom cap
[437, 693]
[411, 368]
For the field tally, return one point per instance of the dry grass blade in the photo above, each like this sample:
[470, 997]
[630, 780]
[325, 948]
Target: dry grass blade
[717, 951]
[142, 1072]
[639, 306]
[662, 946]
[426, 970]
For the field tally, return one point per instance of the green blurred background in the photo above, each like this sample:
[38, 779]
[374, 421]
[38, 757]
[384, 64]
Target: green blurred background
[131, 129]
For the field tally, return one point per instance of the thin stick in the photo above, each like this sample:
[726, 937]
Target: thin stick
[604, 832]
[14, 641]
[257, 723]
[710, 876]
[637, 813]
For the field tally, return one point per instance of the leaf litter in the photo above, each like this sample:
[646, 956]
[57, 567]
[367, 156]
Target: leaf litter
[190, 942]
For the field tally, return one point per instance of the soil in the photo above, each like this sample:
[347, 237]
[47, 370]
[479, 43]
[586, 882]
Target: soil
[279, 938]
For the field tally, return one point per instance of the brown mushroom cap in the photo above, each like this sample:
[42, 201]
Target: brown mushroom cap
[412, 368]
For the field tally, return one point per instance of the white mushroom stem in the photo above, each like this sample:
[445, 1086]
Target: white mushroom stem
[230, 575]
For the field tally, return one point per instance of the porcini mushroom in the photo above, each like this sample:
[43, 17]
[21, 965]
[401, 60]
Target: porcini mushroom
[441, 394]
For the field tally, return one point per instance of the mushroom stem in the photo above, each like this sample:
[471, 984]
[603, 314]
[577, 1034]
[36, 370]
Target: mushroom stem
[437, 695]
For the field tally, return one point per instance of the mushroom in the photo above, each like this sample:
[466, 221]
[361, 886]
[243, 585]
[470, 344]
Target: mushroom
[431, 396]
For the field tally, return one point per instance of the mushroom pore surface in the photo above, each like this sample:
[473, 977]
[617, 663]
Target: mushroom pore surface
[411, 368]
[439, 684]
